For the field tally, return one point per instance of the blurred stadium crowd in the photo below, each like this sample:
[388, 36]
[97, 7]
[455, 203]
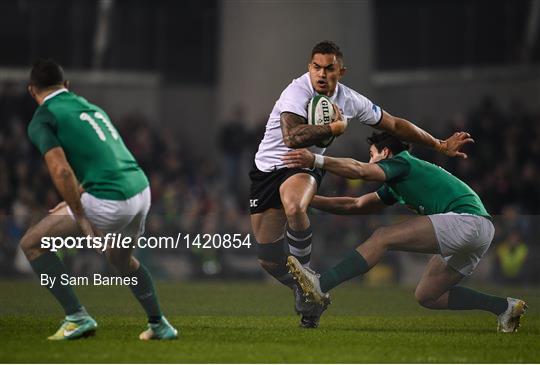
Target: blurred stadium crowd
[193, 195]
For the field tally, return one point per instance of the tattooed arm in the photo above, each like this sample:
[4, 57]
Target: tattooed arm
[297, 133]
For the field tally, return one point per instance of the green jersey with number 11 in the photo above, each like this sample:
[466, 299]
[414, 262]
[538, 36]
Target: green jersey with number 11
[94, 149]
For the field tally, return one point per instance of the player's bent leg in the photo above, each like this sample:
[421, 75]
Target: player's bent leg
[268, 230]
[45, 263]
[57, 224]
[438, 278]
[463, 241]
[437, 290]
[296, 193]
[268, 226]
[415, 235]
[273, 259]
[142, 285]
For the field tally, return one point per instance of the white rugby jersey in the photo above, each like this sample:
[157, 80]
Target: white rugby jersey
[295, 99]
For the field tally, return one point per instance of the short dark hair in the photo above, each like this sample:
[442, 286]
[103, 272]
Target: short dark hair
[385, 139]
[327, 47]
[46, 73]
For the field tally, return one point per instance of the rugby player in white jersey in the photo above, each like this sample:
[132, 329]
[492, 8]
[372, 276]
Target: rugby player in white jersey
[280, 196]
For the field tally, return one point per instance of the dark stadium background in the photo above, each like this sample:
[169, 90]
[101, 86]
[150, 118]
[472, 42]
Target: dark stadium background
[190, 85]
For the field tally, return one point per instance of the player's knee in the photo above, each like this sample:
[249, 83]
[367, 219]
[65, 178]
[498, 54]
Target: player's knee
[29, 243]
[294, 209]
[424, 297]
[122, 263]
[378, 237]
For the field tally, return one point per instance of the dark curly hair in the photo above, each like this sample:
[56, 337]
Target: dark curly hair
[327, 47]
[46, 73]
[385, 139]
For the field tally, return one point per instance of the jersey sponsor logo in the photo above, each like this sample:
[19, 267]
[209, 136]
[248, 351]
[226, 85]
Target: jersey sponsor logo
[253, 203]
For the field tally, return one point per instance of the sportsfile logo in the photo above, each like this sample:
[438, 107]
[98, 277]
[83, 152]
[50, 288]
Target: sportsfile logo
[119, 240]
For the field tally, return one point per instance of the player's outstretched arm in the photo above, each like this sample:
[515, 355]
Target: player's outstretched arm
[365, 204]
[297, 133]
[65, 181]
[346, 167]
[407, 131]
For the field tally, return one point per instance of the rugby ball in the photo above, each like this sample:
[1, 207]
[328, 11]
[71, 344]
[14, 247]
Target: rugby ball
[320, 112]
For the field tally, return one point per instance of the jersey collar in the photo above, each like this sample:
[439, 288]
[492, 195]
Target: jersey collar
[54, 93]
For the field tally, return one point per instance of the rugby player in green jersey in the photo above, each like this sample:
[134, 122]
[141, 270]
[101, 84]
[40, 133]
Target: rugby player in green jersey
[454, 226]
[104, 191]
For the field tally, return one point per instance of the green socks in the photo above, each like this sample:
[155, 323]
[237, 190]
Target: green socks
[145, 293]
[48, 266]
[351, 266]
[461, 298]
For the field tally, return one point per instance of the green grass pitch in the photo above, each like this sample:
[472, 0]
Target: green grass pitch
[254, 322]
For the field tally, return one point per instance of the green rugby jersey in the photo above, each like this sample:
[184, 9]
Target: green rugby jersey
[94, 149]
[426, 188]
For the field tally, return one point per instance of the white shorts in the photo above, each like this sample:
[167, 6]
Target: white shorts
[117, 216]
[463, 239]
